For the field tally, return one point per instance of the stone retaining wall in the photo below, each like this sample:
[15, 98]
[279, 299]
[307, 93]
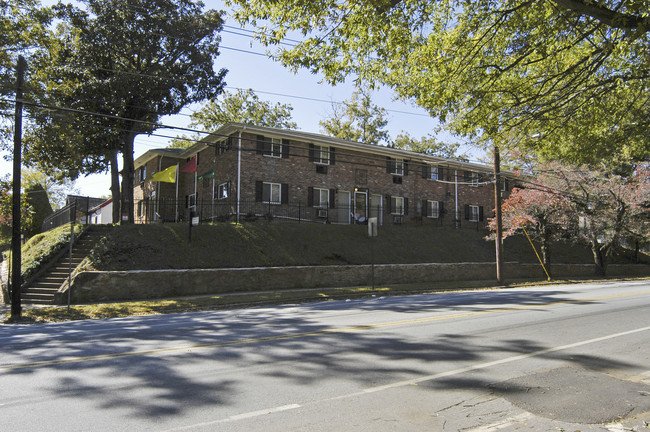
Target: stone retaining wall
[89, 287]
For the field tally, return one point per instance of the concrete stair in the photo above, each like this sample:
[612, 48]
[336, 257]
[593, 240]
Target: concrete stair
[42, 291]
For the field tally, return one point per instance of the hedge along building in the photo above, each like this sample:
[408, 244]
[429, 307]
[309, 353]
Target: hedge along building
[244, 172]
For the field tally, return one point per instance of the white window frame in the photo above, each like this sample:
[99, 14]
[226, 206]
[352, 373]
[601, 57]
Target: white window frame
[433, 172]
[433, 211]
[396, 202]
[271, 187]
[221, 188]
[321, 155]
[275, 148]
[398, 167]
[475, 179]
[191, 201]
[319, 193]
[474, 212]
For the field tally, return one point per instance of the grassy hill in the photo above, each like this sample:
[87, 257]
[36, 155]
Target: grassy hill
[166, 246]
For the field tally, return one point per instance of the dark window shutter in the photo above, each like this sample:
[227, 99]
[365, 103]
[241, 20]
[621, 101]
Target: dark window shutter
[389, 204]
[425, 208]
[426, 171]
[332, 155]
[480, 213]
[467, 176]
[312, 156]
[284, 192]
[466, 210]
[229, 143]
[441, 208]
[310, 196]
[406, 168]
[332, 198]
[260, 144]
[229, 187]
[285, 148]
[259, 190]
[406, 206]
[505, 184]
[441, 173]
[389, 165]
[187, 201]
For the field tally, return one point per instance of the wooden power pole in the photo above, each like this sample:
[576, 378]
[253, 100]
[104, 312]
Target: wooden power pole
[16, 243]
[497, 210]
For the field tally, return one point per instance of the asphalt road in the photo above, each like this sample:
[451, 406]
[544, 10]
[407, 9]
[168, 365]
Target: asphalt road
[559, 357]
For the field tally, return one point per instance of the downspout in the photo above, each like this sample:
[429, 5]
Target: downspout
[456, 187]
[239, 172]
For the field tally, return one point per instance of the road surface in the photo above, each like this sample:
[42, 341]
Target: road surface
[557, 357]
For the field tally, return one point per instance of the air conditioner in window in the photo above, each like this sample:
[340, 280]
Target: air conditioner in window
[397, 219]
[322, 213]
[321, 169]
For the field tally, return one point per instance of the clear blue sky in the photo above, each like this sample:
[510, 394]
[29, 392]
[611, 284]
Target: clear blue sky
[310, 98]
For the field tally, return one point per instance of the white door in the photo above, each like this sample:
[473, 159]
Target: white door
[343, 207]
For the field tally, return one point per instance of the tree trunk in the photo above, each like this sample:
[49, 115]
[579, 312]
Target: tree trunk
[115, 186]
[546, 256]
[127, 178]
[599, 258]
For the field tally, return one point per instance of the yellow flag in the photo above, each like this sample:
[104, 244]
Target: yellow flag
[168, 175]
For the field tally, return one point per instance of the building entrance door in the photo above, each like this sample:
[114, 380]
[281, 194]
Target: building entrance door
[343, 207]
[360, 207]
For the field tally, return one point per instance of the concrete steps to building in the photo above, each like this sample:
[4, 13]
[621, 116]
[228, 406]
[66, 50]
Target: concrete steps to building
[43, 290]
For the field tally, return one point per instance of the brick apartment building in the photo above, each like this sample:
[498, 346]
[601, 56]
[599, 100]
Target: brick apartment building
[244, 172]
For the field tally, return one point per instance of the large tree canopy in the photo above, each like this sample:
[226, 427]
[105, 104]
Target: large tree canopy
[121, 66]
[573, 74]
[241, 106]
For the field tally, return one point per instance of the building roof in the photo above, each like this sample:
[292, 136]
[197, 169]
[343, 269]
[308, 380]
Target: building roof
[231, 128]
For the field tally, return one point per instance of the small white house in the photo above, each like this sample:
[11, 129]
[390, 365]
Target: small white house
[103, 213]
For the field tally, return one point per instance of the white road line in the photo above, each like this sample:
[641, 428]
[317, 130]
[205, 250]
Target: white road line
[489, 364]
[242, 416]
[495, 426]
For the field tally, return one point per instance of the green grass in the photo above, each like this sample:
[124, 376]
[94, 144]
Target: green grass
[39, 249]
[166, 246]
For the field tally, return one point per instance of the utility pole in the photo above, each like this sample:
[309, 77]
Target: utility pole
[16, 308]
[497, 204]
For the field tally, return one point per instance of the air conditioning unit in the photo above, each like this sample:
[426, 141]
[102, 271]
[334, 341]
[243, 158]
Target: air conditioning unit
[321, 169]
[322, 213]
[397, 219]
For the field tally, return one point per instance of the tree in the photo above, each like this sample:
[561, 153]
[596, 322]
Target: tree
[357, 119]
[429, 145]
[539, 211]
[22, 29]
[242, 106]
[6, 205]
[595, 206]
[123, 65]
[571, 72]
[39, 207]
[57, 189]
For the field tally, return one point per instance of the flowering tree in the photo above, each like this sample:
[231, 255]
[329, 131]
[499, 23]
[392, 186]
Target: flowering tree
[538, 210]
[605, 210]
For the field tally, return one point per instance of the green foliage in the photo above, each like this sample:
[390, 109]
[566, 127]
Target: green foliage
[41, 248]
[429, 145]
[39, 206]
[119, 66]
[242, 106]
[358, 120]
[22, 32]
[6, 210]
[572, 73]
[57, 188]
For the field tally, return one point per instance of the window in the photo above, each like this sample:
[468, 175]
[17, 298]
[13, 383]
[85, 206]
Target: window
[433, 173]
[433, 209]
[397, 205]
[142, 173]
[473, 178]
[190, 201]
[322, 155]
[398, 168]
[361, 176]
[223, 191]
[321, 197]
[223, 146]
[272, 147]
[271, 193]
[474, 213]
